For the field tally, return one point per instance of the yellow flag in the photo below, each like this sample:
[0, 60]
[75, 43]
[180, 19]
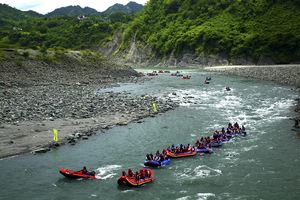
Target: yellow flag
[55, 133]
[154, 107]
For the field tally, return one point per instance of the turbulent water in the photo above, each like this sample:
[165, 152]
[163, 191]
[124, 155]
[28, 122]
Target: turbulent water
[263, 165]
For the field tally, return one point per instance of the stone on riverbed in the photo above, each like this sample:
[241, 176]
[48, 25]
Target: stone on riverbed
[41, 150]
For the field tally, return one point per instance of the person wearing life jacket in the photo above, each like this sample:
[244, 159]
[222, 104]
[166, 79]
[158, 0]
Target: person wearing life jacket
[188, 148]
[161, 157]
[243, 128]
[84, 170]
[147, 173]
[201, 146]
[123, 173]
[215, 135]
[137, 176]
[228, 131]
[173, 148]
[142, 174]
[181, 148]
[130, 173]
[157, 153]
[151, 156]
[236, 125]
[165, 157]
[148, 157]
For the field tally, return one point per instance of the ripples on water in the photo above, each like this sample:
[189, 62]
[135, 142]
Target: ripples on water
[201, 171]
[199, 196]
[244, 168]
[108, 171]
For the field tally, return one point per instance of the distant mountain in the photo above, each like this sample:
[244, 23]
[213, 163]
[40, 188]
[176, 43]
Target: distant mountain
[9, 13]
[72, 11]
[134, 7]
[131, 7]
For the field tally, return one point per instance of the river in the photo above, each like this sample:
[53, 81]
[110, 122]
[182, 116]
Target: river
[263, 165]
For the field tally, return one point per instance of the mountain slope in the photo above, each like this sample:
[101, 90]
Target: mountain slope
[10, 13]
[72, 11]
[131, 7]
[253, 30]
[134, 7]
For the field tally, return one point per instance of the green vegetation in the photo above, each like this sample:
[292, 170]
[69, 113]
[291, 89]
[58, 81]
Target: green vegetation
[251, 29]
[66, 32]
[235, 28]
[26, 30]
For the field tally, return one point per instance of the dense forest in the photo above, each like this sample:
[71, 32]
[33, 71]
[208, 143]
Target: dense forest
[25, 30]
[232, 28]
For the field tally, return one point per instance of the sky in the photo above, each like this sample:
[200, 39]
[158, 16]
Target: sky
[45, 6]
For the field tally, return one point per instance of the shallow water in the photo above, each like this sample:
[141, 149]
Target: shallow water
[263, 165]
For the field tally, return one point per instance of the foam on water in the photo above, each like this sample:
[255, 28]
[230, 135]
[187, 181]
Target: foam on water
[198, 196]
[193, 97]
[228, 102]
[232, 154]
[184, 198]
[270, 110]
[249, 148]
[205, 196]
[233, 107]
[201, 171]
[107, 171]
[126, 191]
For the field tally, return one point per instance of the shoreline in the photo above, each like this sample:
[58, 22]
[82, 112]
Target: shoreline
[282, 74]
[38, 96]
[37, 136]
[108, 109]
[33, 106]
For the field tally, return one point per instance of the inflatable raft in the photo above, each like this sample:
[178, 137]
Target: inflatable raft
[186, 77]
[132, 181]
[171, 154]
[76, 174]
[217, 144]
[154, 163]
[204, 150]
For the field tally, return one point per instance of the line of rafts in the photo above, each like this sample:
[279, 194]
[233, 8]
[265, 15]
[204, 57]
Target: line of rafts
[146, 175]
[155, 73]
[177, 74]
[183, 77]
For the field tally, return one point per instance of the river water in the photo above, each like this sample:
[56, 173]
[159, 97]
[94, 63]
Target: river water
[263, 165]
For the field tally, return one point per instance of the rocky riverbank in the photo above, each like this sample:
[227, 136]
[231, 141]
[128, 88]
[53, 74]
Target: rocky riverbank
[282, 74]
[37, 96]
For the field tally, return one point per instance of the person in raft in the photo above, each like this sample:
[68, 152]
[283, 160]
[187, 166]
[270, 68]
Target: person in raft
[142, 174]
[130, 173]
[86, 172]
